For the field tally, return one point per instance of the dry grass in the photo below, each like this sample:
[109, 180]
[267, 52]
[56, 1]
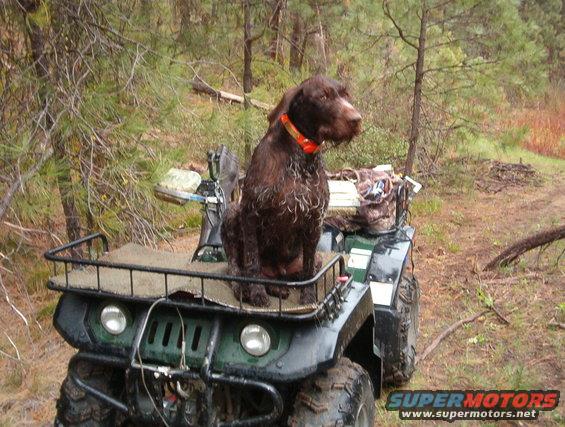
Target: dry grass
[545, 127]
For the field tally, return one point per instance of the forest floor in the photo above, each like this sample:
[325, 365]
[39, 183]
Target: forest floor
[459, 229]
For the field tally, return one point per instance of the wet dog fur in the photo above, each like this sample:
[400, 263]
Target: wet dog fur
[273, 232]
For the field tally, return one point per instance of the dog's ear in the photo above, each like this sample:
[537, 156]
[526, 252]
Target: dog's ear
[282, 106]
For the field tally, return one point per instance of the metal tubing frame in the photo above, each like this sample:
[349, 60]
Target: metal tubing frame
[206, 374]
[53, 255]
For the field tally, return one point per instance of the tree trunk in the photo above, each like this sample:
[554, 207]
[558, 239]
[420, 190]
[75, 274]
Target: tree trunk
[247, 75]
[146, 9]
[302, 50]
[274, 28]
[185, 11]
[64, 181]
[417, 103]
[295, 43]
[320, 43]
[247, 49]
[320, 59]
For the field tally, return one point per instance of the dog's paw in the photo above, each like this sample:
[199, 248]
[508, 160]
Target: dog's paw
[237, 291]
[278, 291]
[258, 296]
[318, 262]
[253, 294]
[308, 295]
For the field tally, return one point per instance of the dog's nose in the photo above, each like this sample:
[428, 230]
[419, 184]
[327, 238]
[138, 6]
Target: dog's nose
[355, 117]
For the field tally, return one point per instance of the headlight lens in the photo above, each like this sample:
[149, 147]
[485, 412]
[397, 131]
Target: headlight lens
[255, 340]
[113, 319]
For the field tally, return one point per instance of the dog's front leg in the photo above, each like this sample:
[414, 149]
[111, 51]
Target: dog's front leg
[254, 293]
[311, 237]
[249, 225]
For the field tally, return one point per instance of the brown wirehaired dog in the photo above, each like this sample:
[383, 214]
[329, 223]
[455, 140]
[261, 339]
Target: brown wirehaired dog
[275, 229]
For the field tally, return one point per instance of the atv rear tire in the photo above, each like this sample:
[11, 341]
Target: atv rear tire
[341, 396]
[398, 368]
[77, 408]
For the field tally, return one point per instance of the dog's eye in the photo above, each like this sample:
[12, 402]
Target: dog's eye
[324, 97]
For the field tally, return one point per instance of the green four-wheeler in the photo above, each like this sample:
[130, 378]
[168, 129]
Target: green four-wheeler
[162, 340]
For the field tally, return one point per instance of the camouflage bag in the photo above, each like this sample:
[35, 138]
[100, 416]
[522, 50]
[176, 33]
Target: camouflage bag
[377, 201]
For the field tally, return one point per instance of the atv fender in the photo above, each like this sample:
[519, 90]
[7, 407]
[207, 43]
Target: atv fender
[389, 258]
[317, 345]
[395, 326]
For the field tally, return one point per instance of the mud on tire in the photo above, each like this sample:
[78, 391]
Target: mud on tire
[337, 397]
[398, 368]
[77, 408]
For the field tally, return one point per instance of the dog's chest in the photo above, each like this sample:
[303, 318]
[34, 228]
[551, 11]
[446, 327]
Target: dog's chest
[303, 194]
[297, 194]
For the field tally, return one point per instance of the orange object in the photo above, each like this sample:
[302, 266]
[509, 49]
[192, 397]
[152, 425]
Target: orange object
[307, 145]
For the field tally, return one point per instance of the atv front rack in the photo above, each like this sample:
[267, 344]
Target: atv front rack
[67, 257]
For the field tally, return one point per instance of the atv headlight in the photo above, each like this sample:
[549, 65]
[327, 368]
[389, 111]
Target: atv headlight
[255, 340]
[113, 319]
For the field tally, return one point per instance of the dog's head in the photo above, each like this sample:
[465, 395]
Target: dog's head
[320, 108]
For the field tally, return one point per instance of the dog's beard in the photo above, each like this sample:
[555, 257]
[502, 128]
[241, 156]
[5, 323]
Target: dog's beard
[327, 145]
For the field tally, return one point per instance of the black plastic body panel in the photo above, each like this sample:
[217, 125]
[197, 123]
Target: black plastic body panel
[331, 240]
[317, 346]
[389, 257]
[70, 320]
[387, 333]
[387, 265]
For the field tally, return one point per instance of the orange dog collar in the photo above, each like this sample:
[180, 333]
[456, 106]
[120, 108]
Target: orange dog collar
[307, 145]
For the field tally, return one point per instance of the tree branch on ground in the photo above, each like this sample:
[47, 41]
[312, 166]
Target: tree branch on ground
[556, 324]
[524, 245]
[447, 332]
[200, 86]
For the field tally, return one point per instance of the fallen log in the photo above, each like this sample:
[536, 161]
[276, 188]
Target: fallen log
[522, 246]
[199, 86]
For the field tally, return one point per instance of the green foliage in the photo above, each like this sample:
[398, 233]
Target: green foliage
[426, 206]
[545, 18]
[513, 138]
[477, 339]
[434, 232]
[488, 148]
[36, 278]
[46, 312]
[454, 247]
[485, 298]
[132, 115]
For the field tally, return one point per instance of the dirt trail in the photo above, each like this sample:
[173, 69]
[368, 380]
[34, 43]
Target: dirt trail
[452, 244]
[466, 233]
[482, 225]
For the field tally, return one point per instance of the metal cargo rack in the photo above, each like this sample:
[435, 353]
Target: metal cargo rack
[65, 258]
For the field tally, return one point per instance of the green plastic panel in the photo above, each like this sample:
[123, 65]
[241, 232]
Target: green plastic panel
[162, 342]
[359, 242]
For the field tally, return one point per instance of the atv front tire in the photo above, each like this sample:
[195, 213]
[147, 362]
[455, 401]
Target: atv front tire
[76, 408]
[400, 361]
[341, 396]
